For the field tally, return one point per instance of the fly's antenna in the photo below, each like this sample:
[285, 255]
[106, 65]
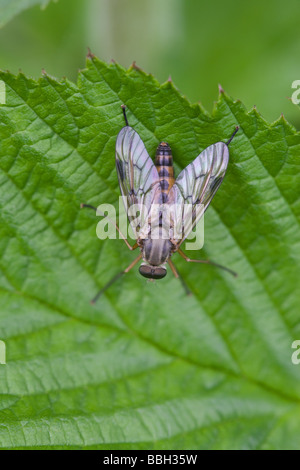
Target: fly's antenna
[123, 106]
[236, 129]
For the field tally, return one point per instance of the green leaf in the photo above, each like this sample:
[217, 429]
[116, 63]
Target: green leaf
[11, 8]
[146, 366]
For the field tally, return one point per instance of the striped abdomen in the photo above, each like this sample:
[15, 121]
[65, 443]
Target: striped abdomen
[164, 166]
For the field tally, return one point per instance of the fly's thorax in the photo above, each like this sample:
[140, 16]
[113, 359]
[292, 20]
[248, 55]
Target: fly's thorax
[164, 166]
[156, 251]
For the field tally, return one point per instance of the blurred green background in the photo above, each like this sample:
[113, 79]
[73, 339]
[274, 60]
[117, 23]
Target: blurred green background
[250, 48]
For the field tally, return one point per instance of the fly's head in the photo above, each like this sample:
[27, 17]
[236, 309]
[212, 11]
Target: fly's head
[152, 272]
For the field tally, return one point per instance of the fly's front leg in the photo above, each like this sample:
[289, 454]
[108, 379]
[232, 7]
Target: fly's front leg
[131, 248]
[205, 261]
[115, 278]
[177, 275]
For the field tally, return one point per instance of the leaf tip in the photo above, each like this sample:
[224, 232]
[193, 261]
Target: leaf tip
[134, 66]
[255, 111]
[170, 79]
[90, 55]
[221, 89]
[282, 118]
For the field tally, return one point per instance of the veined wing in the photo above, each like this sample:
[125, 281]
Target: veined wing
[138, 177]
[195, 187]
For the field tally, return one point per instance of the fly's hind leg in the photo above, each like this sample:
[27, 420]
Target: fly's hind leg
[232, 136]
[123, 106]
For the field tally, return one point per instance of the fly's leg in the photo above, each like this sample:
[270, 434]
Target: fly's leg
[177, 275]
[115, 278]
[121, 234]
[205, 261]
[236, 129]
[123, 106]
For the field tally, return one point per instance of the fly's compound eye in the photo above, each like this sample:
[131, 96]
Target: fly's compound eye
[152, 272]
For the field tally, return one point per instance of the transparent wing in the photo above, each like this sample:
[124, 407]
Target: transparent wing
[195, 187]
[138, 177]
